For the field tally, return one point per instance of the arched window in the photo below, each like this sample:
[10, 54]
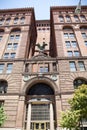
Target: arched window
[78, 82]
[1, 21]
[83, 19]
[22, 20]
[76, 18]
[61, 18]
[8, 21]
[3, 86]
[15, 20]
[68, 19]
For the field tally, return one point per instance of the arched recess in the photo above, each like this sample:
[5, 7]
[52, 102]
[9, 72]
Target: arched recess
[40, 103]
[15, 30]
[37, 80]
[3, 86]
[79, 81]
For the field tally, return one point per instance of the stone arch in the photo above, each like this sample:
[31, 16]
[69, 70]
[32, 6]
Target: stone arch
[69, 28]
[36, 80]
[13, 30]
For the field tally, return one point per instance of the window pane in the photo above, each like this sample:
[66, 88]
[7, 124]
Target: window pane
[6, 55]
[43, 69]
[68, 45]
[73, 43]
[85, 43]
[9, 68]
[72, 66]
[76, 53]
[11, 37]
[12, 55]
[71, 35]
[68, 19]
[66, 35]
[81, 65]
[17, 37]
[22, 20]
[15, 45]
[0, 38]
[1, 68]
[9, 46]
[70, 53]
[61, 18]
[84, 35]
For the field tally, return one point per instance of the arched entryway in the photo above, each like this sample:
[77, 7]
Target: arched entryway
[40, 107]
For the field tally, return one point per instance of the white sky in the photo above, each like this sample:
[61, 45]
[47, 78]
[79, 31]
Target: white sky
[41, 7]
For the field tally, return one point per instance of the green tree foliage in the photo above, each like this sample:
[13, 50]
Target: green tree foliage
[70, 120]
[2, 116]
[79, 101]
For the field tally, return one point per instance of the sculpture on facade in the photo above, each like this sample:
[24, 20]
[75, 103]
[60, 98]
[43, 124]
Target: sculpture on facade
[41, 47]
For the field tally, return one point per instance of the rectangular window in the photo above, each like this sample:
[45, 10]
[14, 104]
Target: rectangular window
[81, 66]
[1, 68]
[43, 69]
[72, 66]
[9, 68]
[84, 35]
[76, 53]
[66, 35]
[73, 43]
[68, 45]
[0, 38]
[11, 37]
[12, 55]
[17, 37]
[9, 46]
[6, 56]
[15, 45]
[85, 43]
[71, 35]
[70, 53]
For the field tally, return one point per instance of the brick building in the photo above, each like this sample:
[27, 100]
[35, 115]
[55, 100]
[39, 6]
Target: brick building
[41, 64]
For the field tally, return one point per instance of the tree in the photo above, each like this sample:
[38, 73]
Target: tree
[70, 120]
[2, 116]
[79, 101]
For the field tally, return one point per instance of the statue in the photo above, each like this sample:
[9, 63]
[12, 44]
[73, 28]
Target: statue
[41, 47]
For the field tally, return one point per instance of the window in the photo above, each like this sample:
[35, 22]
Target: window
[68, 45]
[61, 18]
[22, 20]
[9, 46]
[43, 69]
[9, 68]
[3, 86]
[83, 19]
[81, 66]
[76, 18]
[79, 82]
[76, 53]
[17, 37]
[72, 66]
[15, 20]
[8, 21]
[6, 56]
[68, 18]
[1, 21]
[11, 37]
[0, 38]
[73, 43]
[1, 68]
[70, 53]
[71, 35]
[84, 35]
[66, 35]
[85, 43]
[12, 55]
[15, 45]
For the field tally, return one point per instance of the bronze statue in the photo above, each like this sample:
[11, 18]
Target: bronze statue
[41, 47]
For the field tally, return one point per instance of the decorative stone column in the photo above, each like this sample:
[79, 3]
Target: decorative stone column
[29, 116]
[51, 117]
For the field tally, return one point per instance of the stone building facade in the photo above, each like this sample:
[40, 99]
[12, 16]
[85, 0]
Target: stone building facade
[41, 64]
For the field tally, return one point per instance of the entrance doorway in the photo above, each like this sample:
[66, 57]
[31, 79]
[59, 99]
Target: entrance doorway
[40, 108]
[40, 125]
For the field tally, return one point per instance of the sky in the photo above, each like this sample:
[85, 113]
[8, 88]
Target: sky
[41, 7]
